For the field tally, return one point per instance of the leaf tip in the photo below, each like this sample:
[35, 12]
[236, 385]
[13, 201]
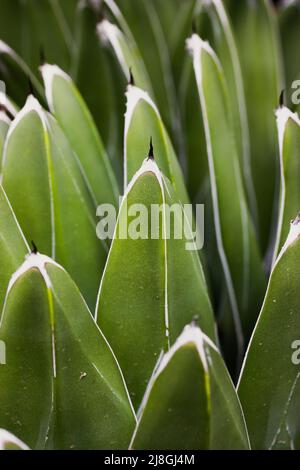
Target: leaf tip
[34, 248]
[281, 99]
[30, 87]
[131, 77]
[42, 56]
[151, 151]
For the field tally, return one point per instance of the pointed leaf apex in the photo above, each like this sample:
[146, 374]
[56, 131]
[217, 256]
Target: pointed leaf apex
[30, 86]
[4, 110]
[151, 151]
[131, 77]
[33, 260]
[281, 99]
[34, 248]
[42, 56]
[191, 334]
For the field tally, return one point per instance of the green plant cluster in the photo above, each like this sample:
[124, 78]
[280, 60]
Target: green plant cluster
[141, 343]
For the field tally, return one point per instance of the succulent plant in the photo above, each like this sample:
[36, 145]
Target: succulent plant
[163, 341]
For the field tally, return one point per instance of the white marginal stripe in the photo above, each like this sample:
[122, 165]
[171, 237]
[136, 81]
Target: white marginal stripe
[293, 236]
[35, 261]
[196, 46]
[148, 165]
[4, 118]
[108, 32]
[32, 261]
[191, 335]
[39, 261]
[7, 438]
[241, 101]
[48, 73]
[283, 114]
[133, 96]
[8, 104]
[32, 105]
[5, 49]
[15, 218]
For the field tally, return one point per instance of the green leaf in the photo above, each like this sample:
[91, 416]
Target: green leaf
[10, 442]
[13, 246]
[71, 112]
[269, 384]
[289, 148]
[142, 121]
[156, 58]
[160, 277]
[237, 246]
[59, 365]
[256, 33]
[126, 52]
[191, 402]
[214, 25]
[193, 134]
[179, 13]
[15, 74]
[49, 195]
[92, 73]
[48, 27]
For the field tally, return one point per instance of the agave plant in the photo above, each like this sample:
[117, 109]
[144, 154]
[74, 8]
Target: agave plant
[148, 342]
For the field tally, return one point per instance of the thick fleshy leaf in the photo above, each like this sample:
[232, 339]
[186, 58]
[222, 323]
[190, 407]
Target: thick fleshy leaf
[71, 112]
[46, 21]
[214, 25]
[59, 365]
[156, 58]
[179, 13]
[289, 147]
[193, 134]
[256, 33]
[92, 73]
[142, 121]
[13, 246]
[158, 275]
[126, 52]
[269, 387]
[10, 442]
[191, 402]
[48, 193]
[15, 74]
[236, 240]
